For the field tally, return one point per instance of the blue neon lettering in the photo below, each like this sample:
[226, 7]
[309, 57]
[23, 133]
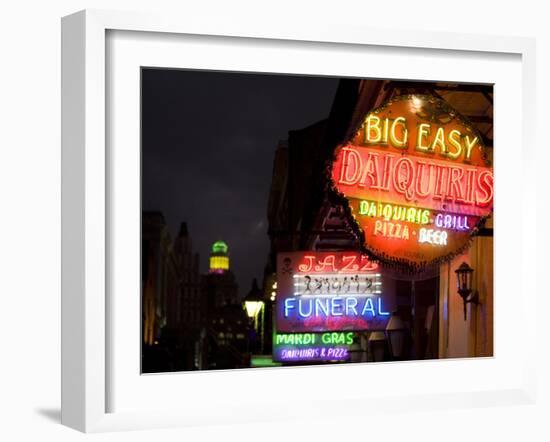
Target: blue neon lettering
[334, 306]
[288, 307]
[368, 307]
[351, 303]
[301, 303]
[380, 311]
[321, 304]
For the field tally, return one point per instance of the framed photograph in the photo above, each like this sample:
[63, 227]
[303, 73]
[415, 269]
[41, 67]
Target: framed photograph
[319, 215]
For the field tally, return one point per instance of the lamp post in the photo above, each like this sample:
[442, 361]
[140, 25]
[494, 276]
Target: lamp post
[253, 303]
[396, 333]
[464, 285]
[253, 308]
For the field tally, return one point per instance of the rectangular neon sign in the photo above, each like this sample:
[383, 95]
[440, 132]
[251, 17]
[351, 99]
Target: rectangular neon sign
[330, 291]
[300, 347]
[337, 284]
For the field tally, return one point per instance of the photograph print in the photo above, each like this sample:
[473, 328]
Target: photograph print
[292, 220]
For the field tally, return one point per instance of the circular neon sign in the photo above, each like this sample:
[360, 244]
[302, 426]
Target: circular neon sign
[418, 181]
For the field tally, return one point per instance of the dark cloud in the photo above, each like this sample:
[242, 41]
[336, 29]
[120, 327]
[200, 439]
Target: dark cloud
[208, 145]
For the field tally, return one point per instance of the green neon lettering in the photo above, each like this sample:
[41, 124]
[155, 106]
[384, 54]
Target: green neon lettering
[363, 207]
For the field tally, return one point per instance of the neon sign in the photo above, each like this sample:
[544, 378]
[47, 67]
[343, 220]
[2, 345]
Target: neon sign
[312, 354]
[417, 179]
[314, 338]
[336, 263]
[334, 306]
[320, 291]
[393, 212]
[336, 284]
[402, 179]
[295, 347]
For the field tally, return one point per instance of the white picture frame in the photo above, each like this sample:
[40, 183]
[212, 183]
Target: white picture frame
[86, 203]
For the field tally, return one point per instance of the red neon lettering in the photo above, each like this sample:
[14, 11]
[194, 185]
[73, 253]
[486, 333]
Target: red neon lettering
[388, 165]
[369, 265]
[453, 186]
[308, 265]
[361, 173]
[420, 174]
[329, 262]
[485, 185]
[470, 186]
[350, 263]
[371, 172]
[403, 177]
[351, 161]
[439, 180]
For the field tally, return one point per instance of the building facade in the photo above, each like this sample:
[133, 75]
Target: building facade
[171, 298]
[304, 214]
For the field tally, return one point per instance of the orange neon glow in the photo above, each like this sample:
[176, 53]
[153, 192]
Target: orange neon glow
[417, 179]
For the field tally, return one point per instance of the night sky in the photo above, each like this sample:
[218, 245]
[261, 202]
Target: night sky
[208, 144]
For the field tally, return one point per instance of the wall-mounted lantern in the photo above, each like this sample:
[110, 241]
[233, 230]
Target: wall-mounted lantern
[464, 285]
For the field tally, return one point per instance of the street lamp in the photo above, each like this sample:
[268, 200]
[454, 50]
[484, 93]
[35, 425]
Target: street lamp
[464, 285]
[253, 308]
[396, 333]
[253, 303]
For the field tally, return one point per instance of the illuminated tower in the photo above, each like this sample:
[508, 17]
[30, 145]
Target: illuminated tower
[219, 258]
[219, 287]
